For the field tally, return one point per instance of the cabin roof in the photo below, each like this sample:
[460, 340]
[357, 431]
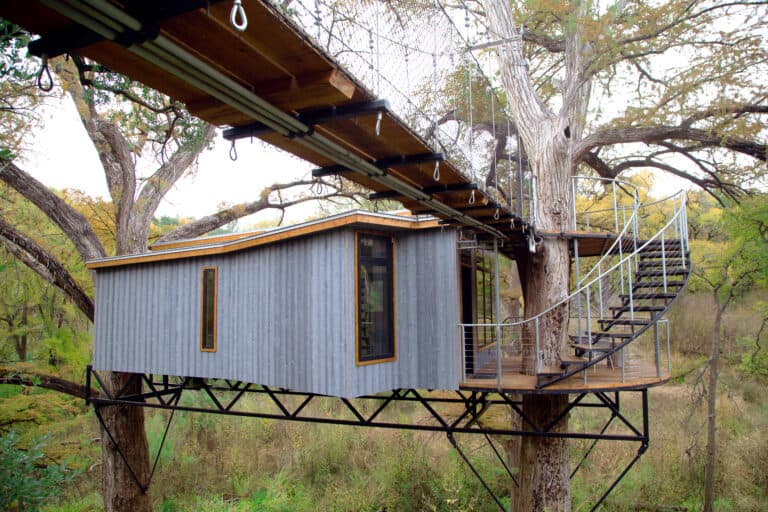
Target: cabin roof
[224, 244]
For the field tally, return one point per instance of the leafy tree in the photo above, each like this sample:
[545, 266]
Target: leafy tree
[727, 269]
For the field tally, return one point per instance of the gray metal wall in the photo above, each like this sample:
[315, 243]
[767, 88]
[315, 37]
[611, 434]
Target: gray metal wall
[285, 316]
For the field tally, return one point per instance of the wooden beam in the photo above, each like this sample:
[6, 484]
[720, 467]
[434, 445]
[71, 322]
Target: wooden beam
[315, 90]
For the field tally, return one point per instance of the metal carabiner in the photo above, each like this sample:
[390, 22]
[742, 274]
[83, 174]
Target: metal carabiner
[238, 12]
[436, 172]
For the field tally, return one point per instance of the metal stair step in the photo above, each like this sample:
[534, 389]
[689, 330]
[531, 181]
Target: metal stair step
[646, 296]
[656, 284]
[652, 254]
[652, 244]
[567, 360]
[582, 348]
[599, 334]
[675, 271]
[625, 321]
[549, 371]
[638, 307]
[659, 264]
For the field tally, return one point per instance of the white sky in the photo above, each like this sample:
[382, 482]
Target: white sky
[60, 154]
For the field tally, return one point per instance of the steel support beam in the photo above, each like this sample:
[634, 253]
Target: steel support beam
[313, 117]
[383, 164]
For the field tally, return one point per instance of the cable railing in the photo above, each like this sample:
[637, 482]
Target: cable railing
[621, 297]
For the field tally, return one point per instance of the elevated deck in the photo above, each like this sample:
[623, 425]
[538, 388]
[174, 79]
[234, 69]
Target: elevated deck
[601, 378]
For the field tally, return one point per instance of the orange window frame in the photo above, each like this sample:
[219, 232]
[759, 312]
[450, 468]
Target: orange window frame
[204, 325]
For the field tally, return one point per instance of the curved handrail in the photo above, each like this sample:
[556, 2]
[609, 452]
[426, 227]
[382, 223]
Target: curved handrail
[565, 300]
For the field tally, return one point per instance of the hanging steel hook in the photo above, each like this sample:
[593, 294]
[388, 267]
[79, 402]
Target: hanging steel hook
[379, 117]
[47, 87]
[472, 197]
[496, 214]
[237, 16]
[531, 242]
[233, 152]
[436, 172]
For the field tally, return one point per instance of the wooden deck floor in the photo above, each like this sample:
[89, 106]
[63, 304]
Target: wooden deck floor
[638, 375]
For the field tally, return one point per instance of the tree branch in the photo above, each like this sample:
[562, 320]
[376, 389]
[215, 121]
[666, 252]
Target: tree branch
[45, 265]
[169, 173]
[224, 217]
[20, 376]
[69, 220]
[657, 134]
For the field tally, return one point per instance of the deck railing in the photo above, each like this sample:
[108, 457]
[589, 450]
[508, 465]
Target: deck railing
[623, 295]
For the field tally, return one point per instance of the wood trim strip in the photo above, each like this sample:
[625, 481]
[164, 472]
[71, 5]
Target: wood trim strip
[258, 240]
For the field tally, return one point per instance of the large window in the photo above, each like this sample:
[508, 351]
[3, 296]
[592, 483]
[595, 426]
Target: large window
[375, 299]
[208, 310]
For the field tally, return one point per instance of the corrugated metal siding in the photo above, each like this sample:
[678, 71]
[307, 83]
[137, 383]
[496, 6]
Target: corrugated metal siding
[285, 316]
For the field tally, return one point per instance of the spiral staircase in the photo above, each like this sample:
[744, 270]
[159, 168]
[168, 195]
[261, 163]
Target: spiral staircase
[634, 273]
[625, 294]
[662, 271]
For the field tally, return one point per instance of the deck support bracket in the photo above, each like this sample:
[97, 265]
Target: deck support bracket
[383, 164]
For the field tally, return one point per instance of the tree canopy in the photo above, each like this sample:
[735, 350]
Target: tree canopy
[674, 86]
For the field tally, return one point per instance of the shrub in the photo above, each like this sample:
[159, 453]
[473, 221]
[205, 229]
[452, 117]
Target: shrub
[26, 481]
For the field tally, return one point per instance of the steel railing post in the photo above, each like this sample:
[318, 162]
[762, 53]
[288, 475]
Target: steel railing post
[656, 348]
[497, 300]
[537, 348]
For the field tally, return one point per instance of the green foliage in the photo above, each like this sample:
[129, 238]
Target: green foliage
[27, 480]
[755, 363]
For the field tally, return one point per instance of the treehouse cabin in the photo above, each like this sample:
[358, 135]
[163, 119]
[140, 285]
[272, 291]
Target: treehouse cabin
[360, 303]
[348, 305]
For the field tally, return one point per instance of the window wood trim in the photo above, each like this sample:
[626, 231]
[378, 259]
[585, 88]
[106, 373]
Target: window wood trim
[215, 270]
[388, 359]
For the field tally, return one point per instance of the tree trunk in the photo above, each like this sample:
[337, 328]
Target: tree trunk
[714, 359]
[121, 491]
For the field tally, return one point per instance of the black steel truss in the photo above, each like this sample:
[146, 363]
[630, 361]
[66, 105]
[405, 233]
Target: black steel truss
[454, 413]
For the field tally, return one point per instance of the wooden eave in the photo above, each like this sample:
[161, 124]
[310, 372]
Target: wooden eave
[214, 246]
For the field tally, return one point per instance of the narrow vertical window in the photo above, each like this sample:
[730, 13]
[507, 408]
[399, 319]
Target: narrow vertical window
[208, 329]
[375, 299]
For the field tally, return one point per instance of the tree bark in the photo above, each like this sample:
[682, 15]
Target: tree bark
[714, 360]
[121, 491]
[18, 376]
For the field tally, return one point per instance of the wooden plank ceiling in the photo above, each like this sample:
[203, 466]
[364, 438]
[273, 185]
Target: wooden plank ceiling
[272, 59]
